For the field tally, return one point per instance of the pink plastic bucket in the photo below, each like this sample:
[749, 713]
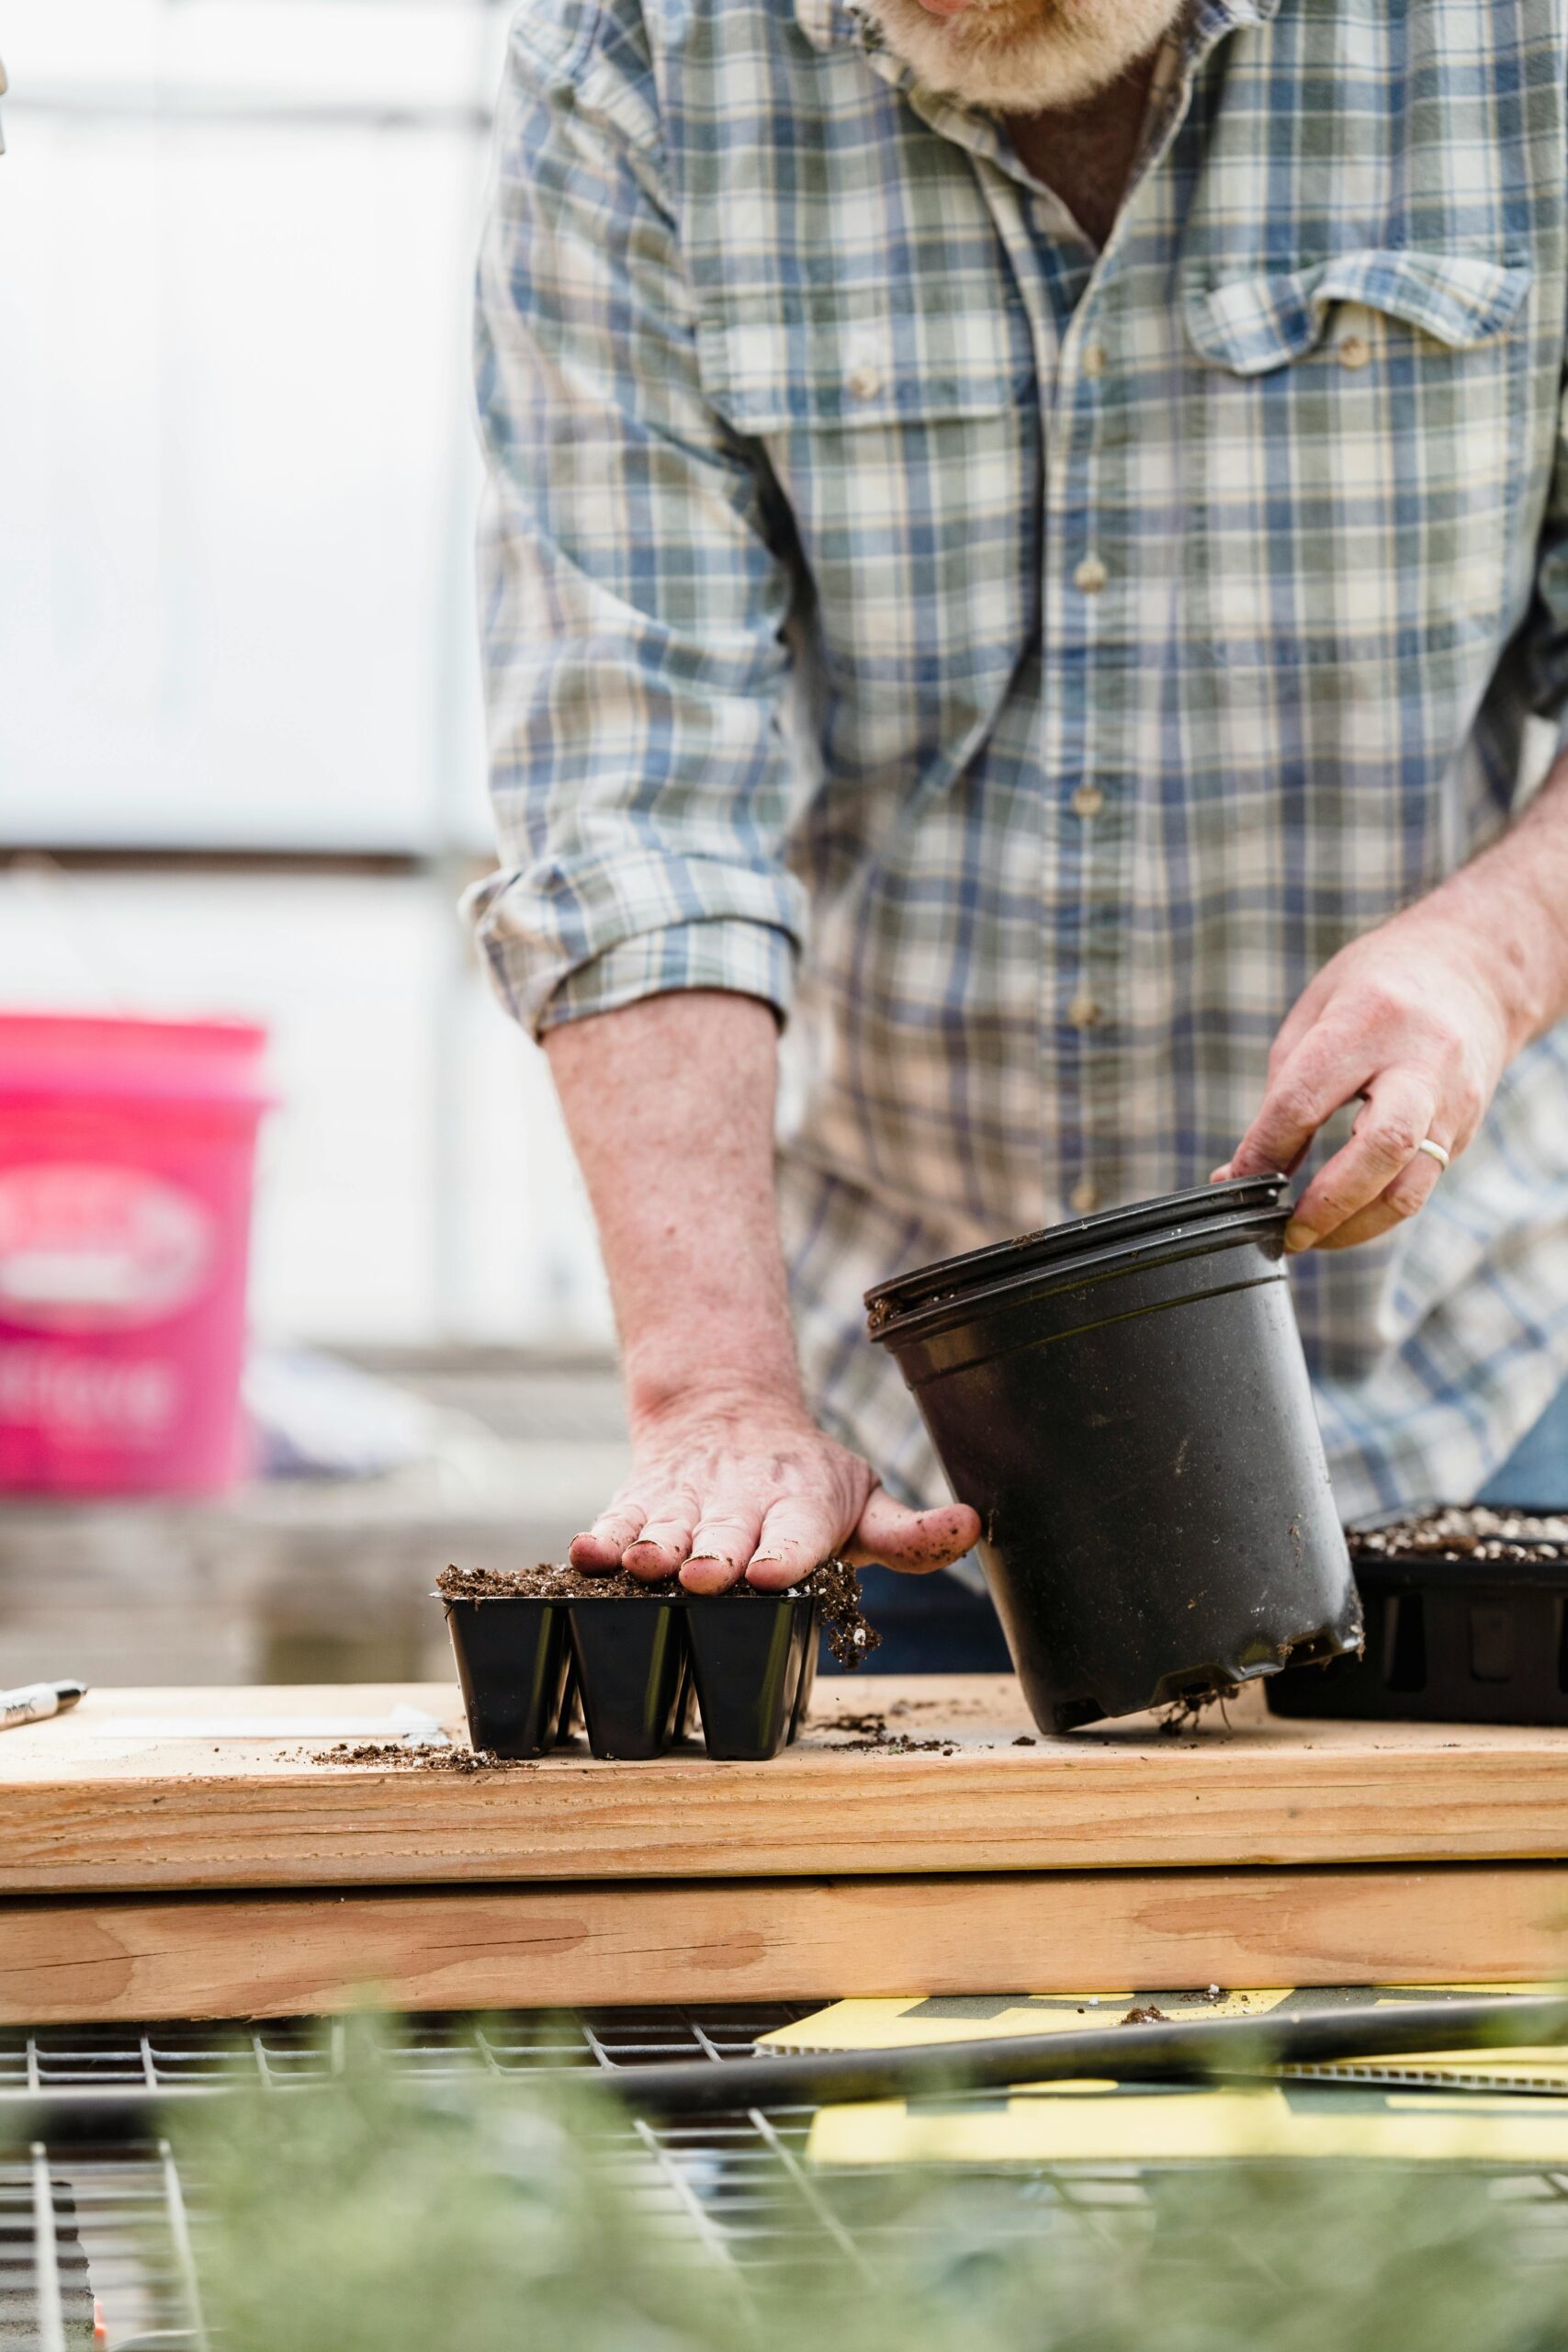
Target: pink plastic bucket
[127, 1158]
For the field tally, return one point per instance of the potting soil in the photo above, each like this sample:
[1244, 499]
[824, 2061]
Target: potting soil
[1470, 1530]
[832, 1583]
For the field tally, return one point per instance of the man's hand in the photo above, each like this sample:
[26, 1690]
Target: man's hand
[1420, 1018]
[725, 1490]
[671, 1106]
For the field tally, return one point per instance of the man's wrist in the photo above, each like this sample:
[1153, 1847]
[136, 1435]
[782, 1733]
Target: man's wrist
[1508, 903]
[715, 1391]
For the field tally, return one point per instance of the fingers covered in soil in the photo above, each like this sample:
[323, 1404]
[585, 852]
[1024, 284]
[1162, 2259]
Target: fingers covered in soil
[915, 1542]
[724, 1491]
[752, 1489]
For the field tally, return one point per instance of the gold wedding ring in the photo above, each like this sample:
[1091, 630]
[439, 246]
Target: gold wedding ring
[1433, 1150]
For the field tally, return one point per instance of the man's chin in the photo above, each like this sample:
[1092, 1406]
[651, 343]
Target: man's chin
[1021, 56]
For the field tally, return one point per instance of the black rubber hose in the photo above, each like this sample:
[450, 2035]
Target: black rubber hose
[114, 2115]
[1230, 2046]
[1245, 2048]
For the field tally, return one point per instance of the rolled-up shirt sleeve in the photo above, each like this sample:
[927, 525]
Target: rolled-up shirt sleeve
[634, 598]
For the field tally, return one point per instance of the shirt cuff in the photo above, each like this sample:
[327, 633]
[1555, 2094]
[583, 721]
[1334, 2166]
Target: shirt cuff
[746, 958]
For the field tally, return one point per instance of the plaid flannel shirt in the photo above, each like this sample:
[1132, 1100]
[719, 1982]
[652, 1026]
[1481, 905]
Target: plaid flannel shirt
[1025, 668]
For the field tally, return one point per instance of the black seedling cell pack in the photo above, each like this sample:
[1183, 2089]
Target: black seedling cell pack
[514, 1663]
[639, 1669]
[1450, 1639]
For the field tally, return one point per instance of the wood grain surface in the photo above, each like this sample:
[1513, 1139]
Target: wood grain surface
[139, 1811]
[744, 1939]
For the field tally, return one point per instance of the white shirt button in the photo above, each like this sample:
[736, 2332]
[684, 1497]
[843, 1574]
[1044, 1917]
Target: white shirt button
[865, 379]
[1354, 352]
[1085, 1196]
[1094, 360]
[1091, 575]
[1083, 1013]
[1087, 802]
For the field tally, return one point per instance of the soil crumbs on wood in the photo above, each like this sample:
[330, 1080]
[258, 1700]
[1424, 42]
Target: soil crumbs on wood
[833, 1585]
[1187, 1711]
[893, 1743]
[870, 1736]
[411, 1757]
[1152, 2015]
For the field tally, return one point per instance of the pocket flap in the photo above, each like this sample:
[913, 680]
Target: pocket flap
[1251, 325]
[764, 374]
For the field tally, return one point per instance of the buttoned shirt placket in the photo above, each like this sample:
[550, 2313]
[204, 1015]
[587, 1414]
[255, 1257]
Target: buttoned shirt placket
[1087, 777]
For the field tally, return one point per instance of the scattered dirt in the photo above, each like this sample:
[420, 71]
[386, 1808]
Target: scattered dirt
[852, 1636]
[1187, 1711]
[393, 1752]
[945, 1707]
[874, 1738]
[1467, 1532]
[1023, 1740]
[1152, 2015]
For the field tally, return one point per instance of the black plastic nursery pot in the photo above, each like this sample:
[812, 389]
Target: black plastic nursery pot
[1451, 1638]
[635, 1661]
[1124, 1401]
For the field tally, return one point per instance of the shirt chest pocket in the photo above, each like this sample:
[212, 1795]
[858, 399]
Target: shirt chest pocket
[906, 447]
[1359, 468]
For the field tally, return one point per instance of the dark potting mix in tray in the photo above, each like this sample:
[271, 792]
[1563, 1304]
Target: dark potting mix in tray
[1467, 1622]
[535, 1647]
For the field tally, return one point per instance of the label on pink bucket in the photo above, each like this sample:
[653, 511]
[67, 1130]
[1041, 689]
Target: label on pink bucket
[127, 1150]
[99, 1400]
[98, 1248]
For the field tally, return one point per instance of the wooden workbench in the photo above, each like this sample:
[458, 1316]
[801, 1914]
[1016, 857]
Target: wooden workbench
[151, 1875]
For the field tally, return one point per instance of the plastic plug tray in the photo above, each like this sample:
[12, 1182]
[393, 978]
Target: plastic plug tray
[640, 1671]
[1452, 1636]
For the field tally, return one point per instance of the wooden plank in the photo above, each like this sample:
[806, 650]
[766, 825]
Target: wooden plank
[79, 1810]
[747, 1939]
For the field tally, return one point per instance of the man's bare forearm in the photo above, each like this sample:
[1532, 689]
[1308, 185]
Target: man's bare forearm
[670, 1103]
[671, 1107]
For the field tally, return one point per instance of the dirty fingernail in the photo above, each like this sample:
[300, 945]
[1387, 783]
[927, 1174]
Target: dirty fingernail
[710, 1576]
[1299, 1236]
[763, 1581]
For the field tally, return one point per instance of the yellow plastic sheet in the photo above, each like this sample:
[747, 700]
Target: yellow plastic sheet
[1100, 2123]
[1468, 2107]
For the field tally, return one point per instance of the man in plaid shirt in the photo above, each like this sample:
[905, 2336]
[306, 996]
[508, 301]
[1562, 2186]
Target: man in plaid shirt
[1027, 556]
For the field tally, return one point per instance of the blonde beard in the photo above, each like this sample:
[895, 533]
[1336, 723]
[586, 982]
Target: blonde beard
[1020, 56]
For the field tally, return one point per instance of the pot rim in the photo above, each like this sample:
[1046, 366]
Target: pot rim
[1145, 1233]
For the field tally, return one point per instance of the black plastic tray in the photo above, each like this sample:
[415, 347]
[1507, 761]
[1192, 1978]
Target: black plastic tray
[638, 1669]
[1450, 1639]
